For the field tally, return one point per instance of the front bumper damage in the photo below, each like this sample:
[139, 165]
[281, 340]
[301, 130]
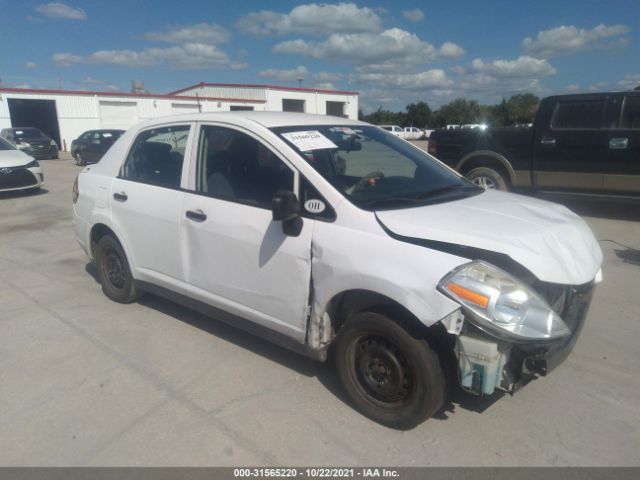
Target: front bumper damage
[486, 362]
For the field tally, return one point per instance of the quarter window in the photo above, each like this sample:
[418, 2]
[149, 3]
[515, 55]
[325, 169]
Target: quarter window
[234, 166]
[157, 156]
[582, 114]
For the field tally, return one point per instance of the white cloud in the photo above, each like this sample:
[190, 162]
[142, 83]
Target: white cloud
[61, 10]
[431, 79]
[91, 81]
[313, 18]
[190, 56]
[415, 15]
[285, 75]
[521, 67]
[198, 33]
[629, 82]
[598, 86]
[327, 76]
[30, 65]
[387, 50]
[572, 88]
[325, 86]
[566, 40]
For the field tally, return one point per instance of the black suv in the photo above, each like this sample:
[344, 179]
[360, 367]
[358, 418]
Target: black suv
[31, 141]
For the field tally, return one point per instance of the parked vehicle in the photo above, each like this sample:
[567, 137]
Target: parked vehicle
[393, 129]
[586, 143]
[92, 145]
[406, 133]
[31, 141]
[413, 133]
[18, 171]
[314, 235]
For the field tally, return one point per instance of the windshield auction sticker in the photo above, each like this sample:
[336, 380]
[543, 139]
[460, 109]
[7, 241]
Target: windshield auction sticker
[310, 140]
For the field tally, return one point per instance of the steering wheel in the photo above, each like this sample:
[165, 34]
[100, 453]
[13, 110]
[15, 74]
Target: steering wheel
[364, 181]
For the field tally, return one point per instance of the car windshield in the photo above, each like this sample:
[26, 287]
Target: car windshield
[374, 169]
[4, 145]
[21, 133]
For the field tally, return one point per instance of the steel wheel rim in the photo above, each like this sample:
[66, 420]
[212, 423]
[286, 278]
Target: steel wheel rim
[485, 182]
[114, 269]
[382, 372]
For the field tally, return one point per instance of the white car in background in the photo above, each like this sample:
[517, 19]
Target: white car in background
[18, 171]
[331, 236]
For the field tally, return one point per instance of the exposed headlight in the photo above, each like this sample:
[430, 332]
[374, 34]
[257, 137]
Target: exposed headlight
[502, 304]
[33, 164]
[23, 145]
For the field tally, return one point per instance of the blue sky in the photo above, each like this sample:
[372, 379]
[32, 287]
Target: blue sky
[392, 52]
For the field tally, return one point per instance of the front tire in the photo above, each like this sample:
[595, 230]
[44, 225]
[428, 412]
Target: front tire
[114, 272]
[79, 160]
[392, 376]
[488, 178]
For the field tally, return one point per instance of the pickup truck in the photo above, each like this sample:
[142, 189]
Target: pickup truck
[408, 133]
[587, 143]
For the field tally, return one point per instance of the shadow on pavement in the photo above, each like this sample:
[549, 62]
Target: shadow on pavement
[23, 193]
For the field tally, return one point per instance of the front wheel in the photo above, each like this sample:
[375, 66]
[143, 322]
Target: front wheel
[487, 178]
[391, 376]
[114, 272]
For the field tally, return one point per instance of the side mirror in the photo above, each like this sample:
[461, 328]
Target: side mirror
[286, 209]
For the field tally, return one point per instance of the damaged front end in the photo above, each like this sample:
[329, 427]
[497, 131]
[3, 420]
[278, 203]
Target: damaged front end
[513, 331]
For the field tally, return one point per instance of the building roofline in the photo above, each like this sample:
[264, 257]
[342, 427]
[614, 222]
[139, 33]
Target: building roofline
[126, 95]
[272, 87]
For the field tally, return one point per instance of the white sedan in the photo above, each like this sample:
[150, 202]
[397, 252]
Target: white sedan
[335, 237]
[18, 171]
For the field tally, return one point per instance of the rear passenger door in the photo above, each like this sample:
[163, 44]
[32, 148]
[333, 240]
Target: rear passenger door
[236, 257]
[623, 165]
[146, 203]
[571, 152]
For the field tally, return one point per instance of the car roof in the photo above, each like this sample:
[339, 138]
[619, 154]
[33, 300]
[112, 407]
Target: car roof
[266, 119]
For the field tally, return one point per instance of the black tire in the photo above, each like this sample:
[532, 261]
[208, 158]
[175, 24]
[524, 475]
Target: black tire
[488, 178]
[114, 272]
[79, 160]
[392, 376]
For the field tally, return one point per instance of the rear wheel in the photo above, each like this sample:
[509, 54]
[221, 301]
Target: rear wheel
[114, 272]
[487, 178]
[390, 375]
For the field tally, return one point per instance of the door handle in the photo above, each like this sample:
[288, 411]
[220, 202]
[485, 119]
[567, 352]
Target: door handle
[196, 215]
[549, 142]
[120, 196]
[618, 143]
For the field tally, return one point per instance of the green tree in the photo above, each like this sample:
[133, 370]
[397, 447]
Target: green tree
[418, 115]
[637, 88]
[385, 117]
[522, 108]
[461, 111]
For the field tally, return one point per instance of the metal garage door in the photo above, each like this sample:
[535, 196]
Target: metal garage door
[118, 114]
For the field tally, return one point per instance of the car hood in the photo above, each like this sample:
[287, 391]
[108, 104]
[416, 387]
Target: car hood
[546, 238]
[14, 158]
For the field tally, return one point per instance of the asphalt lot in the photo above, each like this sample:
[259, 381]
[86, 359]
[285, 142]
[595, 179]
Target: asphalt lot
[85, 381]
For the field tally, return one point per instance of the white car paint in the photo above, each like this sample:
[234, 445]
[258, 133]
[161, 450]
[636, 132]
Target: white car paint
[240, 261]
[14, 158]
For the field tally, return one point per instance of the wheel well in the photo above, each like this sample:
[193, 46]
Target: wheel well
[98, 231]
[489, 162]
[344, 305]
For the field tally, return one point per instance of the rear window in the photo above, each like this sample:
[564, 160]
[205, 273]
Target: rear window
[630, 113]
[579, 114]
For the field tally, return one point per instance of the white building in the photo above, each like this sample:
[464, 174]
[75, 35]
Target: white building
[65, 114]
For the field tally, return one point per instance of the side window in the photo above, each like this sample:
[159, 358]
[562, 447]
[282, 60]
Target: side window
[579, 114]
[630, 113]
[156, 157]
[235, 166]
[86, 136]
